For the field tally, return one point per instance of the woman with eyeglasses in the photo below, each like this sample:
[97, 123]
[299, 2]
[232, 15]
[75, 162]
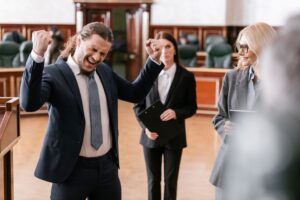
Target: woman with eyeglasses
[240, 91]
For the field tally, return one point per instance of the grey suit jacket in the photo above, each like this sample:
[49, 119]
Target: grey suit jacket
[233, 96]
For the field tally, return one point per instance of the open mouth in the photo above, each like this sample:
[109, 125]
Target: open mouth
[91, 61]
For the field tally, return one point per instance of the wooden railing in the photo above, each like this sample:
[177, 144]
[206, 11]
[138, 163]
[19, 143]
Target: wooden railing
[9, 136]
[10, 82]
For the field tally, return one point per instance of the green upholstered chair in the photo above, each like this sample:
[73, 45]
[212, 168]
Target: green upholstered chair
[213, 39]
[8, 50]
[192, 39]
[219, 56]
[24, 51]
[14, 37]
[187, 55]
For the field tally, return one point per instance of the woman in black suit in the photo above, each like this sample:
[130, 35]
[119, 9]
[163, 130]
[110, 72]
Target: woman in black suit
[175, 88]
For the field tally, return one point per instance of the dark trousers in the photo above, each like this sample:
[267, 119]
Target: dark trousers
[92, 178]
[153, 159]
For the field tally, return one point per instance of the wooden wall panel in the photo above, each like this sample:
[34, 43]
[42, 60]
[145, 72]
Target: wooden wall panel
[201, 32]
[208, 86]
[10, 81]
[26, 29]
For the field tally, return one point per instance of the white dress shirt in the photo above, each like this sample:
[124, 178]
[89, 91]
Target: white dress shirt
[165, 79]
[82, 80]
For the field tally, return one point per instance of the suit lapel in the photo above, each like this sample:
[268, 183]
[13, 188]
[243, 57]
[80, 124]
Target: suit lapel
[71, 82]
[106, 86]
[153, 95]
[242, 89]
[173, 84]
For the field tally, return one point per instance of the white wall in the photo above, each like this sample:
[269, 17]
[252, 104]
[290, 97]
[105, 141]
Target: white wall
[274, 12]
[164, 12]
[37, 12]
[188, 12]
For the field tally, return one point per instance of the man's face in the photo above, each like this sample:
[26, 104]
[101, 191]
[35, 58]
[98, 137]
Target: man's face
[90, 52]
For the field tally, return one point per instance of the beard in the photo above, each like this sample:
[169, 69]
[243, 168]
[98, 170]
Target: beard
[85, 72]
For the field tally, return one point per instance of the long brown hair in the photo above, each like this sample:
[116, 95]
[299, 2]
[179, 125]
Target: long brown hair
[86, 32]
[169, 37]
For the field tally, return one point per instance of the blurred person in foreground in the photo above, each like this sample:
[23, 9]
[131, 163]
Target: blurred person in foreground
[240, 91]
[80, 151]
[176, 89]
[264, 157]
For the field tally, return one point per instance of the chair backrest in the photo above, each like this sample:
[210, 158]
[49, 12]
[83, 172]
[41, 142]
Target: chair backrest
[13, 37]
[192, 39]
[187, 55]
[219, 56]
[24, 51]
[213, 39]
[8, 50]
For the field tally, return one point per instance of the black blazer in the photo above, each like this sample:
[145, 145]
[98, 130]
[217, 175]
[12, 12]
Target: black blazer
[56, 85]
[181, 98]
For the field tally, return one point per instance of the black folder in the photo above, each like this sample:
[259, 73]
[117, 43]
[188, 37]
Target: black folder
[151, 119]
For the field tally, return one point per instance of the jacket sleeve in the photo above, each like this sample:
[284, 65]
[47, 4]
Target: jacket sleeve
[190, 106]
[222, 115]
[137, 90]
[35, 86]
[138, 108]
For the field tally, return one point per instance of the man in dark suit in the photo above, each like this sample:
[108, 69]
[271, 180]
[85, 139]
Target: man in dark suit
[78, 167]
[176, 89]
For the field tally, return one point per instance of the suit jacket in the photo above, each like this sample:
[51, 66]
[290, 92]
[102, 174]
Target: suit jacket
[233, 96]
[181, 98]
[56, 85]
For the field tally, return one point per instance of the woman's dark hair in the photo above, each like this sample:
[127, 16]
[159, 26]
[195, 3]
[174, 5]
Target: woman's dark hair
[86, 32]
[169, 37]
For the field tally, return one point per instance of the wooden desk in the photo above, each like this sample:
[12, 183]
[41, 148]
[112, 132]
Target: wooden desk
[208, 86]
[201, 56]
[9, 136]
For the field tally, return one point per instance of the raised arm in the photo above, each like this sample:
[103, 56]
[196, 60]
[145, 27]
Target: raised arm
[35, 87]
[137, 90]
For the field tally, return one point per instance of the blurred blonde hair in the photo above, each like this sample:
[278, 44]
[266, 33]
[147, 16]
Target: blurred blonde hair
[257, 36]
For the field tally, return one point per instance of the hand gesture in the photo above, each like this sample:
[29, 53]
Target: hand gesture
[228, 127]
[168, 115]
[151, 135]
[40, 39]
[153, 48]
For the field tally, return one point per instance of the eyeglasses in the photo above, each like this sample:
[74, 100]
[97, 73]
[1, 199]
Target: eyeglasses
[242, 47]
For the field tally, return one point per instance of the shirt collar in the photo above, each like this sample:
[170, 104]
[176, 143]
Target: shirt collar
[73, 65]
[170, 72]
[251, 74]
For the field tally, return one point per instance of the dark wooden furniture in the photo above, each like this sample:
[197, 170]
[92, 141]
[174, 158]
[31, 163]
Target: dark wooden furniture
[26, 29]
[201, 32]
[137, 16]
[9, 136]
[201, 56]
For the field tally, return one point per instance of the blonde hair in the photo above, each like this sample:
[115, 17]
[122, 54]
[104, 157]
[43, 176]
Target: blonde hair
[257, 36]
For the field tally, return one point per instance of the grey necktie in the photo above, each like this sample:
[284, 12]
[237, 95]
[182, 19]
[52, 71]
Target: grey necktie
[95, 113]
[251, 93]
